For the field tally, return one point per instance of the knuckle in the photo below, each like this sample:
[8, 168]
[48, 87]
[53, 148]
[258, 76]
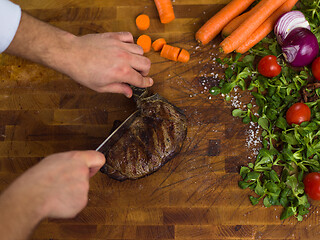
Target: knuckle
[123, 70]
[111, 35]
[123, 36]
[128, 35]
[74, 155]
[113, 41]
[107, 34]
[124, 55]
[140, 80]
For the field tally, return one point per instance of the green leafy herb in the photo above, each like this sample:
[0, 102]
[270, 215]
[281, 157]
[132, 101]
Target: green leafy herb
[288, 152]
[311, 10]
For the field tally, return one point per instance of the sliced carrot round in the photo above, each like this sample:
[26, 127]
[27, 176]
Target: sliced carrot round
[158, 44]
[145, 42]
[184, 56]
[170, 52]
[143, 22]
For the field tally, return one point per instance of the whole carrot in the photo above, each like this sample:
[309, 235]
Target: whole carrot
[165, 10]
[263, 10]
[266, 27]
[215, 24]
[235, 23]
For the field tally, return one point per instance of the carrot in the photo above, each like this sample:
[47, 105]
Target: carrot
[263, 10]
[184, 56]
[165, 10]
[235, 23]
[143, 22]
[266, 27]
[145, 42]
[158, 44]
[215, 24]
[170, 52]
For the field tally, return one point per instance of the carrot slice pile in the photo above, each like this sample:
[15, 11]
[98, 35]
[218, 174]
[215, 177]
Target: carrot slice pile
[145, 42]
[166, 14]
[165, 10]
[143, 22]
[158, 44]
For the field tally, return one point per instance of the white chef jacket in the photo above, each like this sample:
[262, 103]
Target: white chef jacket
[10, 15]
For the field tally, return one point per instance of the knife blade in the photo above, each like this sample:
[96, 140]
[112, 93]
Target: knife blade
[117, 134]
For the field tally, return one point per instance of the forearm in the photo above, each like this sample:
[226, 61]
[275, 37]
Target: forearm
[18, 214]
[40, 42]
[56, 187]
[106, 62]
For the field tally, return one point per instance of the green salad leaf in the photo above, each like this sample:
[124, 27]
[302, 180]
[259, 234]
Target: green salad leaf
[287, 152]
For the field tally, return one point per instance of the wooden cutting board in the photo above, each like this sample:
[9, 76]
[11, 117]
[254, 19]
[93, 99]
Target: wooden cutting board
[194, 196]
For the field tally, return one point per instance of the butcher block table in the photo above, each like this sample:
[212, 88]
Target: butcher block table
[196, 194]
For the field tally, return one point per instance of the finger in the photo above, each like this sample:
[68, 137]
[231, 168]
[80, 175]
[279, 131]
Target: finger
[95, 162]
[94, 159]
[132, 48]
[121, 88]
[124, 37]
[136, 79]
[141, 64]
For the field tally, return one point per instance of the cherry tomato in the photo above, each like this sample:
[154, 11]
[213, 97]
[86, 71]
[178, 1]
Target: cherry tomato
[298, 113]
[312, 185]
[269, 67]
[315, 67]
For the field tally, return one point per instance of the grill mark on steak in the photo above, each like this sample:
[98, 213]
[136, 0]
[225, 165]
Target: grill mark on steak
[154, 137]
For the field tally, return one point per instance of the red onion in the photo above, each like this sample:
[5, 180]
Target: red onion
[300, 47]
[287, 22]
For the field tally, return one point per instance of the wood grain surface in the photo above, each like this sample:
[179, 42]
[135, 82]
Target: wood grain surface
[194, 196]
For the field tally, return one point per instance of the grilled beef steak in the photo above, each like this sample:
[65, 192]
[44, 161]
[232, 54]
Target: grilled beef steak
[155, 136]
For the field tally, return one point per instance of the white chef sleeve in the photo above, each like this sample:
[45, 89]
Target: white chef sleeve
[10, 15]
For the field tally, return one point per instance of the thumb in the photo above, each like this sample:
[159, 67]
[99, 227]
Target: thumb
[94, 161]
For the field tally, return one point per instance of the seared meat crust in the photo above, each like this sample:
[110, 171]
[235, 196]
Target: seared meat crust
[154, 137]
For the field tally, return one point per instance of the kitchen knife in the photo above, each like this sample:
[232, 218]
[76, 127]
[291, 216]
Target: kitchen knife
[117, 134]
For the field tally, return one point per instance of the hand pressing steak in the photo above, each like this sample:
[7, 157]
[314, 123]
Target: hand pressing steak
[155, 136]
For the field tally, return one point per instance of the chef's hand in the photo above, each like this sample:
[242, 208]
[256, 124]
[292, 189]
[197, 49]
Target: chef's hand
[63, 181]
[105, 62]
[57, 187]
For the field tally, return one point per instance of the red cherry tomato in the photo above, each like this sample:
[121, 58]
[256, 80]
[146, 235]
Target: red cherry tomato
[269, 67]
[312, 185]
[315, 67]
[298, 113]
